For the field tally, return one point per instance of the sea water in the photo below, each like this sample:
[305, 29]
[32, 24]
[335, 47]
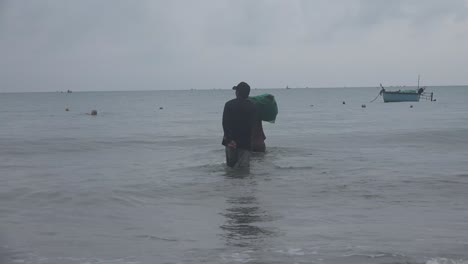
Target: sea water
[145, 180]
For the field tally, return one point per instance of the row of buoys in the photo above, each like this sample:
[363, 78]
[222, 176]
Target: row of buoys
[362, 106]
[93, 112]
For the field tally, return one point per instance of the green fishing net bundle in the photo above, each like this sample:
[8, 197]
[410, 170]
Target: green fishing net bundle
[266, 106]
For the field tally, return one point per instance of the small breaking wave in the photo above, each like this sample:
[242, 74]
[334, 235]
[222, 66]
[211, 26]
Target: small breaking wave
[151, 237]
[279, 167]
[7, 256]
[446, 261]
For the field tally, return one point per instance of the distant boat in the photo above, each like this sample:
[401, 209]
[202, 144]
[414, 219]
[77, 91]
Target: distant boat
[405, 95]
[401, 95]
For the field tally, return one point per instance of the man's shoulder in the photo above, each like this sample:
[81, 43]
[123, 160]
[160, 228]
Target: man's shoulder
[240, 103]
[232, 101]
[251, 104]
[230, 104]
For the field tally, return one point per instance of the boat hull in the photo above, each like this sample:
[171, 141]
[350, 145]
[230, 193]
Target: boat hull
[389, 97]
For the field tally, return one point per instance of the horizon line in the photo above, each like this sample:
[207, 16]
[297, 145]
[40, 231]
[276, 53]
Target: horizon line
[211, 89]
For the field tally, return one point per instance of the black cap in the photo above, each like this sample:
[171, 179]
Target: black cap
[243, 89]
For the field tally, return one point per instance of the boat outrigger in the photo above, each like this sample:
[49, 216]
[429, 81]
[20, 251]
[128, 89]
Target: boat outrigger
[406, 95]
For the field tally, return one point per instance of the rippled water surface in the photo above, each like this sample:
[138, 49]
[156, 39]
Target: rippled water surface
[138, 184]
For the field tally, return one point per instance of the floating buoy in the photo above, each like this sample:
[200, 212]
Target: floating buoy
[94, 112]
[344, 102]
[411, 106]
[363, 106]
[160, 108]
[66, 109]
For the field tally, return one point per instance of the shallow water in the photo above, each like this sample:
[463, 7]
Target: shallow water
[139, 184]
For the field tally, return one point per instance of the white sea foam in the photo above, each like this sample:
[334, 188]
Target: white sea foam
[446, 261]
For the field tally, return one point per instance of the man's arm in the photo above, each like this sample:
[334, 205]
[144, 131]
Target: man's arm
[227, 124]
[253, 119]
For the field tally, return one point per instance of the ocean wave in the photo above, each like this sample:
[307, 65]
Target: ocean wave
[376, 254]
[446, 261]
[238, 257]
[70, 260]
[74, 144]
[151, 237]
[10, 256]
[279, 167]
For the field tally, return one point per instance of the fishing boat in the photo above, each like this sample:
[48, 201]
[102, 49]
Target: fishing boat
[401, 95]
[406, 95]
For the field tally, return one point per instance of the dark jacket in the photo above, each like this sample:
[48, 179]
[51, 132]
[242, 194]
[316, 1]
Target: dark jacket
[239, 117]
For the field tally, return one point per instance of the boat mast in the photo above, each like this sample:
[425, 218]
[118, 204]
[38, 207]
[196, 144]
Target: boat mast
[418, 81]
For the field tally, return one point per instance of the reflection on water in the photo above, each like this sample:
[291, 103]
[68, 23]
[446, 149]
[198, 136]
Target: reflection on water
[244, 215]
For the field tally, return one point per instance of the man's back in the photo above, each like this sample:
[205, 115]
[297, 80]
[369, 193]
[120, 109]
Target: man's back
[238, 120]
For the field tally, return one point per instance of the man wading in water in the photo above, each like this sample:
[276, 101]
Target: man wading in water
[239, 118]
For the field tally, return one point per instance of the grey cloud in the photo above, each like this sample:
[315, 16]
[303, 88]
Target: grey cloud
[149, 44]
[418, 13]
[365, 15]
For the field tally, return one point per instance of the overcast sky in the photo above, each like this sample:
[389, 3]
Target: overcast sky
[52, 45]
